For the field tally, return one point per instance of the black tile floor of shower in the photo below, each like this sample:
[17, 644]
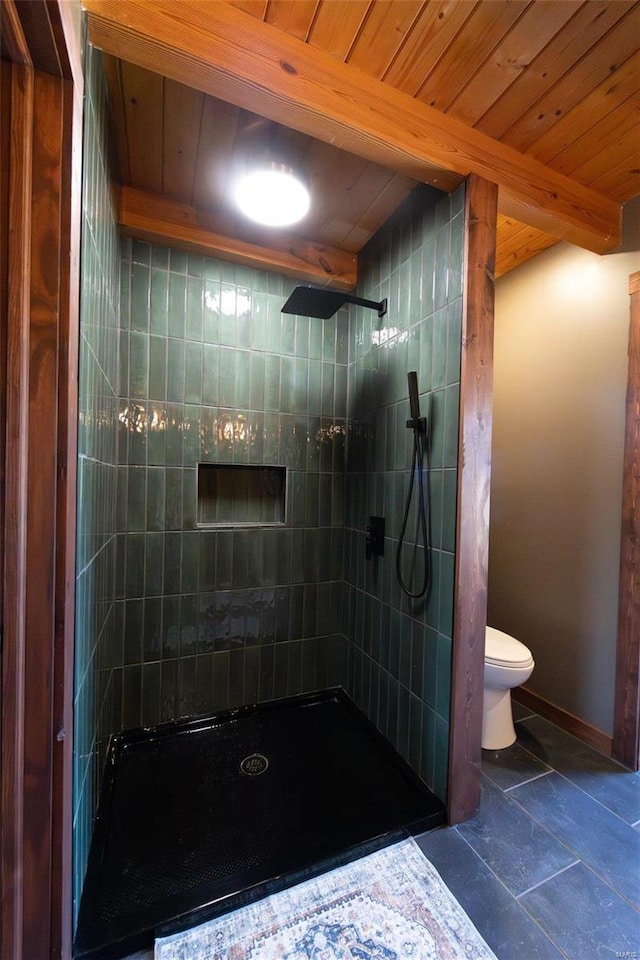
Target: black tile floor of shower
[198, 817]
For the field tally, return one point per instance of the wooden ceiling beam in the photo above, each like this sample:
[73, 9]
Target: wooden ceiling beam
[146, 216]
[225, 52]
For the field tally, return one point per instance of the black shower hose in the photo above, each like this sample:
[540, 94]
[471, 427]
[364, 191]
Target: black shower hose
[419, 455]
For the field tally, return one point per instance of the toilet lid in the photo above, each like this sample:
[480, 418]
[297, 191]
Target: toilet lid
[504, 650]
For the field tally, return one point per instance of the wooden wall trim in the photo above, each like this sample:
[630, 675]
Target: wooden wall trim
[41, 511]
[15, 508]
[5, 192]
[626, 722]
[13, 38]
[577, 727]
[474, 480]
[66, 489]
[66, 21]
[50, 34]
[35, 16]
[39, 493]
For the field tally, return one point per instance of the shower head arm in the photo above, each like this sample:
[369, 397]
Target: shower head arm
[381, 307]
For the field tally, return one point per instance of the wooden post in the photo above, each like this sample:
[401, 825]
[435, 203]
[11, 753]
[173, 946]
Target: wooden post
[39, 417]
[15, 372]
[474, 478]
[626, 721]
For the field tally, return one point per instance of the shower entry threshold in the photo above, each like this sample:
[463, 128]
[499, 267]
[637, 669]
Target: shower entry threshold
[198, 817]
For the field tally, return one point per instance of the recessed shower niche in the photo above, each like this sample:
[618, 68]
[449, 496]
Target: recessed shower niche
[232, 494]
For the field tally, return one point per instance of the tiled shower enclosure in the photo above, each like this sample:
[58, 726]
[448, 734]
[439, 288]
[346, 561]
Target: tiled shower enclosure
[186, 360]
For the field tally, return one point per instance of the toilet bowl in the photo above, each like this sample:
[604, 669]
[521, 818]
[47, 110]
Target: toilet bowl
[507, 664]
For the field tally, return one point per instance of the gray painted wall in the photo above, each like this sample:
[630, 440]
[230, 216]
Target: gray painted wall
[560, 374]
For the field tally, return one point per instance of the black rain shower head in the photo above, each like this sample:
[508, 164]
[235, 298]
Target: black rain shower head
[322, 303]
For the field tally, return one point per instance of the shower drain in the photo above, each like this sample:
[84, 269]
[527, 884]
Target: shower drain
[254, 765]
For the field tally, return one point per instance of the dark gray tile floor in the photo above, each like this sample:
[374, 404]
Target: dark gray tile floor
[549, 867]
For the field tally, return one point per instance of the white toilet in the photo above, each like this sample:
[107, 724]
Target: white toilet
[507, 664]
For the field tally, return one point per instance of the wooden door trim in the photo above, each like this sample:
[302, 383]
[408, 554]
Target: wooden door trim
[66, 505]
[15, 506]
[626, 723]
[39, 496]
[474, 481]
[13, 37]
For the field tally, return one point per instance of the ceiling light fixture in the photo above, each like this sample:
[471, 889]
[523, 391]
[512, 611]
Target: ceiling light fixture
[271, 194]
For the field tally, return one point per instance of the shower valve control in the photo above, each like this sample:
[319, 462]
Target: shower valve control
[375, 537]
[417, 423]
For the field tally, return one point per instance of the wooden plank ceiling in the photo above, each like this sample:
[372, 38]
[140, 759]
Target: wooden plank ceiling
[556, 80]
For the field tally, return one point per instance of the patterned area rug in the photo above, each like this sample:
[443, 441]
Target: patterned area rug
[391, 905]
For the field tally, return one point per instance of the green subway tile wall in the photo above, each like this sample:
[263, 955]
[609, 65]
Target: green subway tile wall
[97, 631]
[211, 372]
[399, 667]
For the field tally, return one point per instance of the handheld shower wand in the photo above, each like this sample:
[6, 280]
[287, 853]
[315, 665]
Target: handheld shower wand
[420, 451]
[416, 421]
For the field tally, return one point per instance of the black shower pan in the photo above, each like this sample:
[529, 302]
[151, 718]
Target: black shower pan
[198, 817]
